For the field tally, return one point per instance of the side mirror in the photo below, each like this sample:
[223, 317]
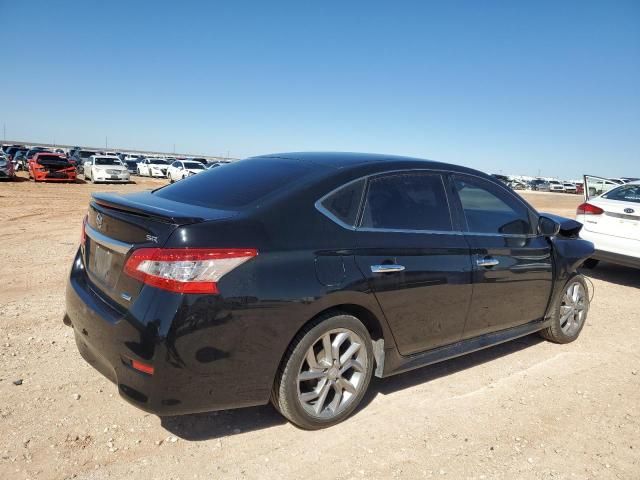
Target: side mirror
[547, 226]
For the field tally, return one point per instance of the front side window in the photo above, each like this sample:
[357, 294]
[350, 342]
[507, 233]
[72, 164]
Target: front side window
[490, 209]
[408, 201]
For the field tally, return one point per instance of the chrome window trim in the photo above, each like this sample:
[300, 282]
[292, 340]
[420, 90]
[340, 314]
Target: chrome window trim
[318, 205]
[321, 208]
[108, 242]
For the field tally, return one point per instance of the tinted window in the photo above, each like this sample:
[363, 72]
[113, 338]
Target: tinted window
[628, 193]
[489, 209]
[407, 202]
[237, 184]
[157, 161]
[194, 165]
[51, 159]
[345, 202]
[107, 161]
[85, 153]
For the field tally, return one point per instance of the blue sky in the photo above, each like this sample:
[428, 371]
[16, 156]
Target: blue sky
[517, 87]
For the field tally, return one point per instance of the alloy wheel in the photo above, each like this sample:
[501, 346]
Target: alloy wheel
[332, 373]
[573, 309]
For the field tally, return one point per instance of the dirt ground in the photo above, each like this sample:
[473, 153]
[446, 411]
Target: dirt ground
[526, 409]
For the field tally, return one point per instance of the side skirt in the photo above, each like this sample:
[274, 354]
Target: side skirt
[395, 363]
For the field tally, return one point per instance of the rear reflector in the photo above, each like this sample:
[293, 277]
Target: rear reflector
[142, 367]
[588, 209]
[83, 234]
[185, 270]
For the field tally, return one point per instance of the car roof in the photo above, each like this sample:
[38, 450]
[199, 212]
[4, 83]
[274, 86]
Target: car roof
[348, 160]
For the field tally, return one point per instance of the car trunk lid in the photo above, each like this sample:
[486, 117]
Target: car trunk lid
[117, 225]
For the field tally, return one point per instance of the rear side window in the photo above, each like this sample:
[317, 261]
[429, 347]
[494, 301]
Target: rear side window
[489, 209]
[415, 201]
[344, 203]
[237, 184]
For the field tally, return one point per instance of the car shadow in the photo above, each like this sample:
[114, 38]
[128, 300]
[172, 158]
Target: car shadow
[207, 426]
[612, 273]
[17, 179]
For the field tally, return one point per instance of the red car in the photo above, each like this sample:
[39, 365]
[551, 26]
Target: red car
[54, 167]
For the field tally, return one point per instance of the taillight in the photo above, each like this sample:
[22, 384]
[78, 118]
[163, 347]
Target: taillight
[588, 209]
[142, 367]
[83, 234]
[185, 270]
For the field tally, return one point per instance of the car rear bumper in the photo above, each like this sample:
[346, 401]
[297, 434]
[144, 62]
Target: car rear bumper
[200, 363]
[609, 248]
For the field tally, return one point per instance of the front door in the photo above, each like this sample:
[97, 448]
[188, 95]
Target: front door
[417, 266]
[512, 264]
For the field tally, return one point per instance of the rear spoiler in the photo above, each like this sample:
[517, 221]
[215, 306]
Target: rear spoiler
[161, 209]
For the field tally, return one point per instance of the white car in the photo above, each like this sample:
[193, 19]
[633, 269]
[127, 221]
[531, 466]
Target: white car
[184, 168]
[555, 186]
[611, 219]
[102, 168]
[570, 187]
[152, 167]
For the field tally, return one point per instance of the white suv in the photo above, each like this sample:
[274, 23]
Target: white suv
[611, 219]
[183, 168]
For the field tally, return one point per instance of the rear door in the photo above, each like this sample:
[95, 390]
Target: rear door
[512, 264]
[415, 260]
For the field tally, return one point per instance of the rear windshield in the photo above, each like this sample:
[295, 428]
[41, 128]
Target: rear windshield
[237, 184]
[627, 193]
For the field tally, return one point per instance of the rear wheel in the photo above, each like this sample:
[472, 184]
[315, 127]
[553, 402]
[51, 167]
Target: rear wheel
[325, 372]
[569, 312]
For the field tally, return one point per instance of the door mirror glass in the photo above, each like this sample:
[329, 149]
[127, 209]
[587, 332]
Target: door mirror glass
[547, 226]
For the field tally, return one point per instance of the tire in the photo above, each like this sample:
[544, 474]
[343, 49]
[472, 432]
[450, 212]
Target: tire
[299, 401]
[569, 312]
[590, 263]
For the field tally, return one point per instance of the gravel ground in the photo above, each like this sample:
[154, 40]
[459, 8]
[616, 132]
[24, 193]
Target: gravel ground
[526, 409]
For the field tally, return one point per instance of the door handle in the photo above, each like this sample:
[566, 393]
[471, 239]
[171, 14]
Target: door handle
[487, 262]
[387, 268]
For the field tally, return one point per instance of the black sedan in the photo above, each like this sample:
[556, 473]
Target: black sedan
[296, 277]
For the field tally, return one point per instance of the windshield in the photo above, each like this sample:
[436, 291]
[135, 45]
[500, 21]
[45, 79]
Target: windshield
[51, 159]
[85, 153]
[627, 193]
[194, 165]
[107, 161]
[157, 161]
[237, 184]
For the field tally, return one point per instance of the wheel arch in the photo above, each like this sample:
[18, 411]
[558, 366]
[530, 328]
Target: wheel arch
[380, 335]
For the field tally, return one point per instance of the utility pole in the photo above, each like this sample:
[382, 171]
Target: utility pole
[4, 132]
[174, 148]
[106, 143]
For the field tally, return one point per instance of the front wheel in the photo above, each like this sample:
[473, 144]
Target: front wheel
[325, 372]
[569, 312]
